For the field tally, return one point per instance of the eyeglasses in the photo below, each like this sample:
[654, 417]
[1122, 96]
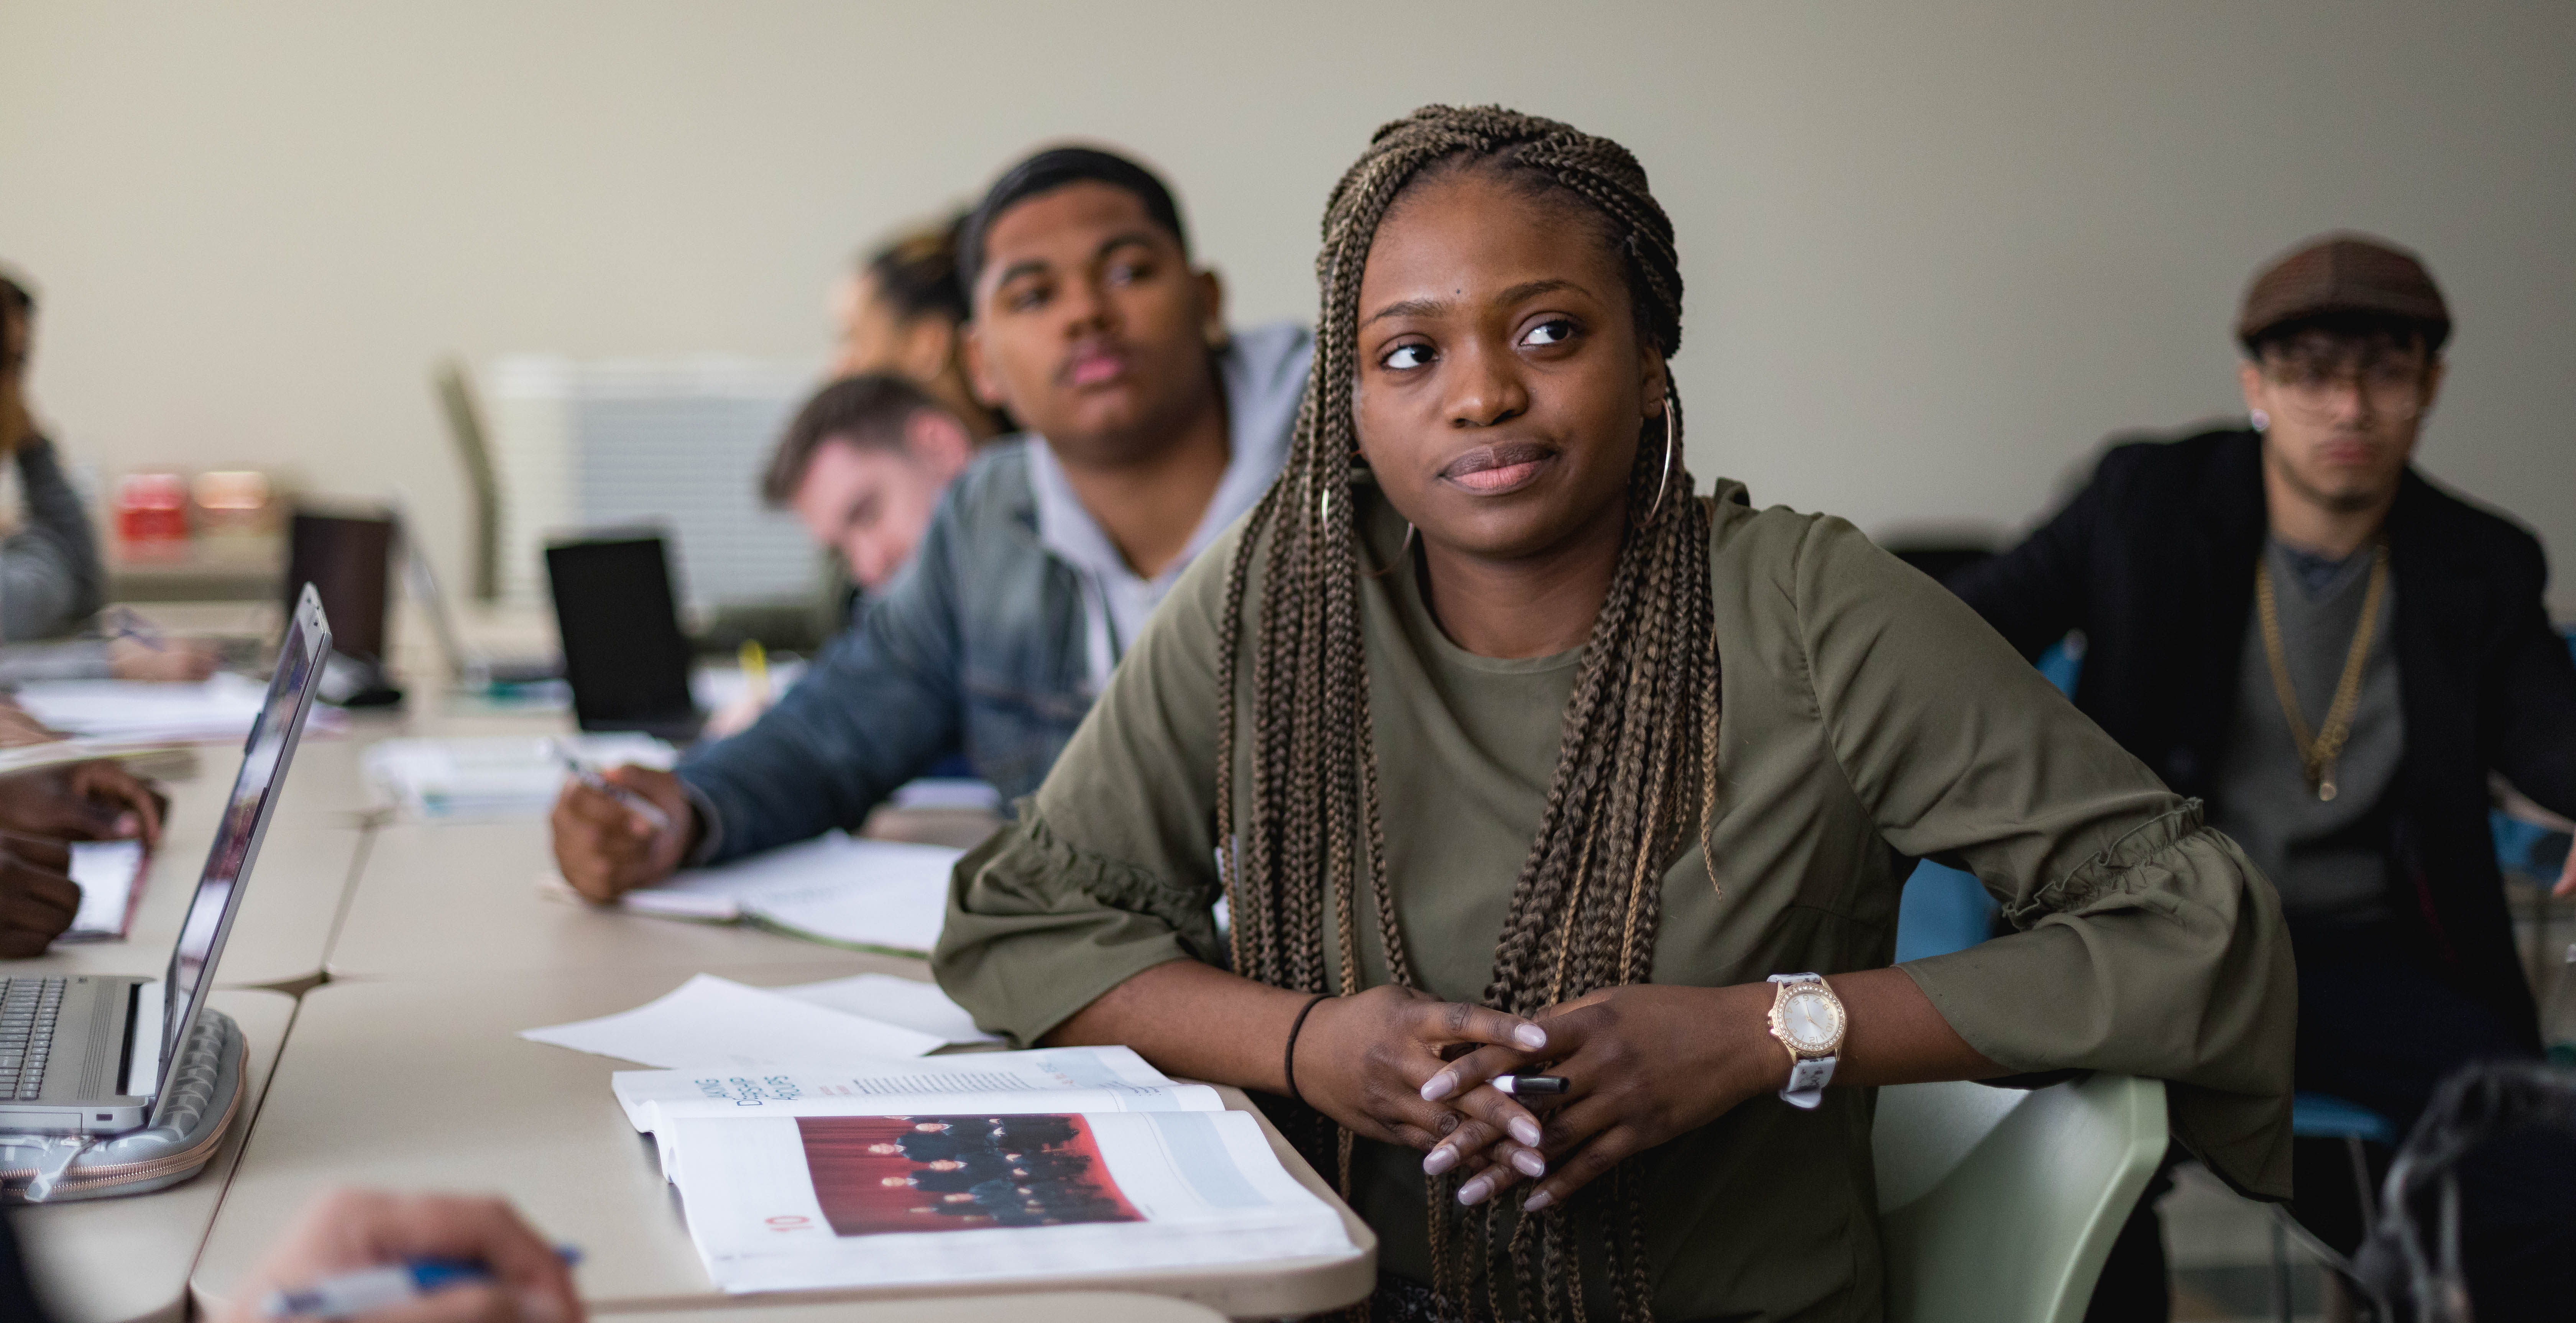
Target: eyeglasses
[2318, 391]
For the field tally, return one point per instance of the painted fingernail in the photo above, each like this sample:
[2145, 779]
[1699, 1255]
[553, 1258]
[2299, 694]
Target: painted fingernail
[1438, 1086]
[1439, 1160]
[1529, 1163]
[1525, 1130]
[1474, 1192]
[1530, 1036]
[1538, 1199]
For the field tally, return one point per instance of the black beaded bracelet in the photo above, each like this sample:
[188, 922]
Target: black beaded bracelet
[1288, 1068]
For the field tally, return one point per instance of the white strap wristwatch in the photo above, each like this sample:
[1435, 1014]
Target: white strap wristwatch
[1807, 1018]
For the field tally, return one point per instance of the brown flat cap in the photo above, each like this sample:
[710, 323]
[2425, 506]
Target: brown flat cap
[2344, 273]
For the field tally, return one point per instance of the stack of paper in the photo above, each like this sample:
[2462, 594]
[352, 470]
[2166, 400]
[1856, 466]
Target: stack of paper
[498, 777]
[839, 890]
[219, 709]
[985, 1167]
[60, 753]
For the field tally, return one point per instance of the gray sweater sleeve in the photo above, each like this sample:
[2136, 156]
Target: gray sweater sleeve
[50, 575]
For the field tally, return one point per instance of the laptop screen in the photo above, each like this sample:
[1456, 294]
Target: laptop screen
[349, 560]
[246, 814]
[623, 650]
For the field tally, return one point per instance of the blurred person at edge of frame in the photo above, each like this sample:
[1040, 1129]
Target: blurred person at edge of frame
[51, 579]
[2292, 624]
[902, 312]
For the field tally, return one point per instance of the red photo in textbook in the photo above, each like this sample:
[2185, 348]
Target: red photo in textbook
[876, 1174]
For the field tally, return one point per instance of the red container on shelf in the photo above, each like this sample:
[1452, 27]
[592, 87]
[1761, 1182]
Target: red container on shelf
[152, 514]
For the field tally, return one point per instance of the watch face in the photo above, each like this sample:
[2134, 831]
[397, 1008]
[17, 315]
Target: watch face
[1811, 1020]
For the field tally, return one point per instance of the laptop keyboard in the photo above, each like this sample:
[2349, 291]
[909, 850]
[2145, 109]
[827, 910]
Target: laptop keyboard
[28, 1007]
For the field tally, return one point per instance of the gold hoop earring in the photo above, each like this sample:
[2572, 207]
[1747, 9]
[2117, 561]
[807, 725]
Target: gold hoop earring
[1403, 555]
[1672, 440]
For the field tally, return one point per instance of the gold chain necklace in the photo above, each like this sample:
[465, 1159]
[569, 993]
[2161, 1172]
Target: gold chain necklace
[2319, 750]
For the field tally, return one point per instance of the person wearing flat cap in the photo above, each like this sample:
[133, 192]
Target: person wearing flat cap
[2291, 623]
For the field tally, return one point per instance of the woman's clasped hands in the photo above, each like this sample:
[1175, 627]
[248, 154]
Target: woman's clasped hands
[1643, 1063]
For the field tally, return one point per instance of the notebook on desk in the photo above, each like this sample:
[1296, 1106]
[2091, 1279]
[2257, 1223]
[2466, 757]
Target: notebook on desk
[89, 1053]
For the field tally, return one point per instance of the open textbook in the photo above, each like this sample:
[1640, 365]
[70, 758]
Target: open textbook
[837, 889]
[984, 1167]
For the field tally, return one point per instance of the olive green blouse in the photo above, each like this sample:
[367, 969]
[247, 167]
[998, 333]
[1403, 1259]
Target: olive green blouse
[1868, 717]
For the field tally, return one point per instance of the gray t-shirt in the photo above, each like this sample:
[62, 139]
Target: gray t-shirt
[2328, 858]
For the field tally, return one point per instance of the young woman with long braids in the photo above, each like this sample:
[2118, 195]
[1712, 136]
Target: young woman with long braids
[1506, 749]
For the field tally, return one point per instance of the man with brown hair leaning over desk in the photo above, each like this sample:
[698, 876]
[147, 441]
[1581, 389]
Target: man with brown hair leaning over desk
[2293, 624]
[1151, 428]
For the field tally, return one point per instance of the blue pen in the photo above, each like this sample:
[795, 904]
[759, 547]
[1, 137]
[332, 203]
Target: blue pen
[368, 1290]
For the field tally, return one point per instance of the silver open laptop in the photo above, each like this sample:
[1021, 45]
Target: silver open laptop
[88, 1053]
[468, 666]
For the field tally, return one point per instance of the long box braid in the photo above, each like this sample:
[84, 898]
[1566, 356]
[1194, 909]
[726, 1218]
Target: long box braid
[1636, 777]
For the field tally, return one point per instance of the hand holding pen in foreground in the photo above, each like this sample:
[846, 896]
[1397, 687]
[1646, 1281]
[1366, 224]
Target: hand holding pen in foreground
[526, 1280]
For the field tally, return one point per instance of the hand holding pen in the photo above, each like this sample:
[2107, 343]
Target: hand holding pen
[138, 650]
[481, 1263]
[589, 776]
[619, 830]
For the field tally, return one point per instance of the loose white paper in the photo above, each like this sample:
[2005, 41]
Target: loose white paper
[910, 1003]
[716, 1022]
[838, 889]
[107, 873]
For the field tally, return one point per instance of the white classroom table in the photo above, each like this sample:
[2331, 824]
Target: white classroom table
[126, 1260]
[422, 1084]
[1048, 1307]
[438, 899]
[461, 899]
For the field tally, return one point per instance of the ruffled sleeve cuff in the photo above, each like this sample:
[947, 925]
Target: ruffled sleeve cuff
[1037, 928]
[2161, 956]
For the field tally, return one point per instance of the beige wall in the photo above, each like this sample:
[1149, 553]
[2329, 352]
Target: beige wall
[1935, 252]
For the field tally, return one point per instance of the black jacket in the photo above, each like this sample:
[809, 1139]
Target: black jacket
[2154, 561]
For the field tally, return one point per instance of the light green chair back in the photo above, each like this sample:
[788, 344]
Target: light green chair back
[2000, 1205]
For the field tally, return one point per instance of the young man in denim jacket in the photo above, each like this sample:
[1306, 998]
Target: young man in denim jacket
[1150, 428]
